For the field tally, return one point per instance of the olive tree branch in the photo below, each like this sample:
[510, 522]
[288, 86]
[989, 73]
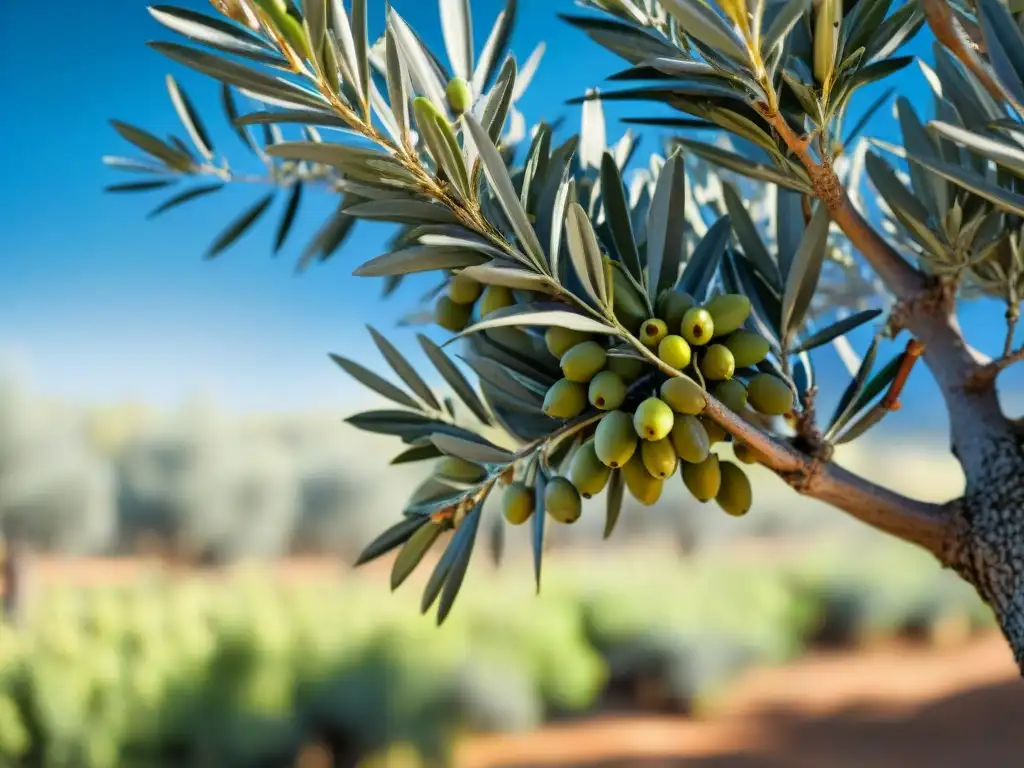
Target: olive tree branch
[901, 278]
[922, 523]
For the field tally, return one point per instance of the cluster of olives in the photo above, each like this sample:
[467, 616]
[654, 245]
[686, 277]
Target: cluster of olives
[654, 425]
[454, 309]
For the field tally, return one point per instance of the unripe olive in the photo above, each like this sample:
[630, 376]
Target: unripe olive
[652, 332]
[641, 484]
[671, 307]
[735, 494]
[561, 340]
[464, 290]
[659, 457]
[732, 393]
[653, 419]
[729, 312]
[565, 399]
[582, 362]
[459, 95]
[606, 391]
[684, 395]
[769, 394]
[587, 472]
[628, 368]
[698, 326]
[690, 439]
[615, 439]
[748, 348]
[451, 316]
[703, 480]
[715, 433]
[461, 470]
[562, 500]
[717, 363]
[495, 297]
[517, 503]
[744, 453]
[673, 350]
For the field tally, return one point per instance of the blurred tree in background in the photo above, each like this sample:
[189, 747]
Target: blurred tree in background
[677, 316]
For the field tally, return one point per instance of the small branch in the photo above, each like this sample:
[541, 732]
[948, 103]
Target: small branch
[1012, 318]
[918, 522]
[914, 350]
[952, 33]
[984, 376]
[902, 279]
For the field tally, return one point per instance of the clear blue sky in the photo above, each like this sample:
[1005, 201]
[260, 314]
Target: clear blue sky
[102, 305]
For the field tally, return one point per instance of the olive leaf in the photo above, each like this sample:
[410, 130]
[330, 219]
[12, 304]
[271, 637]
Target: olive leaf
[238, 227]
[190, 119]
[216, 33]
[455, 379]
[844, 326]
[538, 524]
[501, 184]
[260, 85]
[585, 253]
[184, 197]
[404, 369]
[706, 257]
[537, 314]
[666, 241]
[412, 552]
[462, 543]
[288, 217]
[139, 186]
[476, 451]
[617, 214]
[802, 280]
[749, 238]
[613, 503]
[368, 378]
[393, 537]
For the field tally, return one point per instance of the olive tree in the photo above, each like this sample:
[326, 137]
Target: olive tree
[620, 331]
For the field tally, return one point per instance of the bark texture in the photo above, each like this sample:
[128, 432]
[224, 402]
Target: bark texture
[987, 543]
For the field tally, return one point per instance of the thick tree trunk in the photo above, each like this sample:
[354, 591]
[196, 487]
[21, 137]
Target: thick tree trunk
[987, 544]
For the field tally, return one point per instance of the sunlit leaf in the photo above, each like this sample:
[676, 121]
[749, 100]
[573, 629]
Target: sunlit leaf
[216, 33]
[585, 253]
[190, 119]
[537, 314]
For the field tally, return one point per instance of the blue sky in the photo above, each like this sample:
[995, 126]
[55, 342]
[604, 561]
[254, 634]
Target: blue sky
[100, 304]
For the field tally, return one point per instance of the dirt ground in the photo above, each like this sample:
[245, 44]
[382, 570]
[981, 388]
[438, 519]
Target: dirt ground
[899, 707]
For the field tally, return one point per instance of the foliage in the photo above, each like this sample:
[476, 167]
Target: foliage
[244, 671]
[629, 282]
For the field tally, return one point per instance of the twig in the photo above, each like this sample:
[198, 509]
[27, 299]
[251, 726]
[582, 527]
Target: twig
[914, 350]
[985, 375]
[902, 279]
[952, 33]
[1012, 317]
